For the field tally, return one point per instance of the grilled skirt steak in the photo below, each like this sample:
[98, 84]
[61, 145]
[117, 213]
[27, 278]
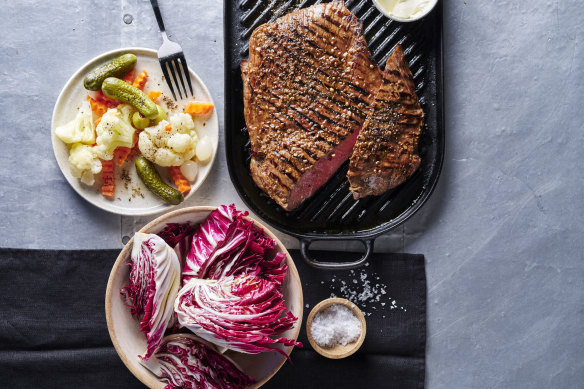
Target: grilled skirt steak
[386, 152]
[308, 86]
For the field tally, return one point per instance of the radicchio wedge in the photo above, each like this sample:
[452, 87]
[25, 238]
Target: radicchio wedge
[186, 362]
[227, 243]
[208, 238]
[238, 312]
[154, 284]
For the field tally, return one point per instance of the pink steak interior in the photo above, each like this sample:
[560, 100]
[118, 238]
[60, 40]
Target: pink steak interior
[321, 172]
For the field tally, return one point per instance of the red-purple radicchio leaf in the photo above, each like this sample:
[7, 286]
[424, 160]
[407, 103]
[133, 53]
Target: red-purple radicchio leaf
[175, 234]
[153, 287]
[239, 312]
[185, 362]
[226, 244]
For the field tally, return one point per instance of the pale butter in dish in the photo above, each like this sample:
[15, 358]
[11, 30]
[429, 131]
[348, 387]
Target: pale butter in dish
[405, 10]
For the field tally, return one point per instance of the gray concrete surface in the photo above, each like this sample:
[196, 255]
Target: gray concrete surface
[503, 233]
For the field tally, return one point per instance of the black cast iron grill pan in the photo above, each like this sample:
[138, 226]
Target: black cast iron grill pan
[332, 214]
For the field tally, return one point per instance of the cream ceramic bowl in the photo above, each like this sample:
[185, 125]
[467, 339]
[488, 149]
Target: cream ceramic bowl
[418, 16]
[125, 332]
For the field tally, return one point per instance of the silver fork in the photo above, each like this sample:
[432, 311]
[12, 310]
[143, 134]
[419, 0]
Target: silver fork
[171, 55]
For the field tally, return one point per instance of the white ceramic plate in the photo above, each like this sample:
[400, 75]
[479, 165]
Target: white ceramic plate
[131, 196]
[124, 329]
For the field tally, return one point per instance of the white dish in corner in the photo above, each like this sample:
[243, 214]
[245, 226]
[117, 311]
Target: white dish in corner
[131, 198]
[417, 16]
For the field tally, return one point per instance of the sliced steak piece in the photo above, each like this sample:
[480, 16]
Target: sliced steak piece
[386, 152]
[308, 85]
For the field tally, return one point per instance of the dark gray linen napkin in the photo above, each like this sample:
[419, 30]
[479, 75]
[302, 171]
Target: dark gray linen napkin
[393, 354]
[53, 332]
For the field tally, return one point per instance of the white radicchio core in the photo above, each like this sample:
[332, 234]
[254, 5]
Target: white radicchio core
[154, 284]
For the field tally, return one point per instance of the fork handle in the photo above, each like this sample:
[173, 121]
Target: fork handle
[158, 16]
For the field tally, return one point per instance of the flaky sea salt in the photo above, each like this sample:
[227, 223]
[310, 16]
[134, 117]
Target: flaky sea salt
[363, 289]
[335, 325]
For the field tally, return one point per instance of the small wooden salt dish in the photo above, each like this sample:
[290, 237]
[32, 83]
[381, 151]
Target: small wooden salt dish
[339, 351]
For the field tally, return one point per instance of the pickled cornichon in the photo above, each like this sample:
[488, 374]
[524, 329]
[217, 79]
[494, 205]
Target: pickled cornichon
[139, 121]
[161, 115]
[122, 91]
[148, 174]
[117, 67]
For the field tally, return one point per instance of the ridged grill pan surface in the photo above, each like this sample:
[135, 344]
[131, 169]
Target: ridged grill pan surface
[332, 213]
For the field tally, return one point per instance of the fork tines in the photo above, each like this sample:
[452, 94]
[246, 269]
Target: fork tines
[174, 64]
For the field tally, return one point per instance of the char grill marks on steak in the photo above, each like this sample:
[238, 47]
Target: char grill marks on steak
[308, 86]
[385, 154]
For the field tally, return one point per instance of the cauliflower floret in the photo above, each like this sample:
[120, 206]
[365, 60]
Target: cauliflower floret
[179, 142]
[182, 122]
[170, 147]
[84, 163]
[114, 130]
[80, 129]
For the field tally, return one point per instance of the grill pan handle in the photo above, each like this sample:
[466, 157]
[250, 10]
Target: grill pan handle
[305, 244]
